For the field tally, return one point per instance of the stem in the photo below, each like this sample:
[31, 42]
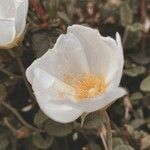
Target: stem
[103, 141]
[6, 122]
[14, 54]
[126, 32]
[108, 128]
[15, 112]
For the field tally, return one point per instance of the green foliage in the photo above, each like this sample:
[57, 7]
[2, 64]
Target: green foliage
[145, 84]
[132, 35]
[4, 142]
[42, 142]
[57, 129]
[130, 122]
[40, 118]
[94, 146]
[93, 120]
[123, 147]
[126, 14]
[135, 71]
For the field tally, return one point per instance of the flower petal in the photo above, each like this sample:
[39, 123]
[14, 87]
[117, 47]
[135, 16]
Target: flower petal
[59, 112]
[7, 9]
[102, 52]
[56, 88]
[93, 104]
[118, 74]
[67, 57]
[20, 18]
[7, 31]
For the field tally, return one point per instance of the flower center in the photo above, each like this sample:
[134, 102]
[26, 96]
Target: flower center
[89, 86]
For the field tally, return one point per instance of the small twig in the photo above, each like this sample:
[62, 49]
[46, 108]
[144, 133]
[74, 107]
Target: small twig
[108, 128]
[103, 140]
[14, 54]
[10, 74]
[126, 32]
[142, 11]
[15, 112]
[6, 122]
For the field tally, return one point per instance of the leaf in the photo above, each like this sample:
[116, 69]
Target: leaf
[133, 35]
[123, 147]
[64, 17]
[58, 129]
[3, 142]
[135, 71]
[137, 123]
[3, 92]
[43, 40]
[126, 14]
[139, 58]
[135, 97]
[145, 142]
[145, 84]
[94, 146]
[40, 118]
[130, 129]
[41, 43]
[93, 120]
[117, 141]
[42, 142]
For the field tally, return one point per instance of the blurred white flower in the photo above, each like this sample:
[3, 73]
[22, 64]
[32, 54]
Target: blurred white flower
[80, 74]
[12, 21]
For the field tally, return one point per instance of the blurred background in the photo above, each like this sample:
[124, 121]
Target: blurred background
[24, 127]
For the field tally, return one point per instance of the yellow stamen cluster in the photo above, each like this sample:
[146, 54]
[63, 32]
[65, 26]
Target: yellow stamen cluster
[90, 85]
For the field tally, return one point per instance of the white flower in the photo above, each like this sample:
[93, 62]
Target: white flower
[80, 74]
[12, 21]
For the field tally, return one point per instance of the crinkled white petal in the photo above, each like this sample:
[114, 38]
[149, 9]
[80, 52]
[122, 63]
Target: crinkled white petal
[50, 105]
[7, 9]
[7, 31]
[102, 52]
[118, 74]
[55, 86]
[20, 18]
[96, 103]
[66, 58]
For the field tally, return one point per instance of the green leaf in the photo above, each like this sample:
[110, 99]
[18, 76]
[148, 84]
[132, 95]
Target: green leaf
[40, 118]
[58, 129]
[43, 40]
[123, 147]
[146, 143]
[42, 142]
[41, 43]
[94, 146]
[139, 58]
[3, 142]
[136, 123]
[117, 141]
[135, 71]
[133, 35]
[3, 92]
[135, 97]
[145, 84]
[126, 14]
[130, 129]
[93, 120]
